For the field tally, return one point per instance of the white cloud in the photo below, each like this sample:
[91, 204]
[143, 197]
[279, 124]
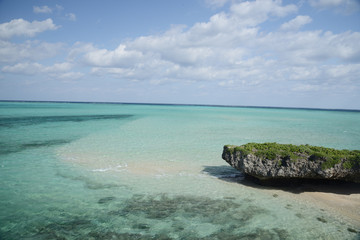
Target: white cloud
[325, 77]
[329, 3]
[223, 41]
[256, 12]
[296, 23]
[58, 67]
[216, 3]
[23, 68]
[70, 75]
[120, 57]
[61, 71]
[228, 51]
[78, 50]
[28, 68]
[42, 9]
[21, 27]
[71, 16]
[59, 7]
[313, 47]
[347, 73]
[306, 88]
[345, 6]
[231, 51]
[29, 50]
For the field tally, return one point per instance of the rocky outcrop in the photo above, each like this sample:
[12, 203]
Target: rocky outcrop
[282, 165]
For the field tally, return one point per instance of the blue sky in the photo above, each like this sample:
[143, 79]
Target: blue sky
[261, 53]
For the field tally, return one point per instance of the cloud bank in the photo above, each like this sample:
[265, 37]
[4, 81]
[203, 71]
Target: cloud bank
[21, 27]
[296, 23]
[231, 49]
[42, 9]
[232, 52]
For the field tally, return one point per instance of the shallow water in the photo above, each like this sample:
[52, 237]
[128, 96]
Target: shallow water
[118, 171]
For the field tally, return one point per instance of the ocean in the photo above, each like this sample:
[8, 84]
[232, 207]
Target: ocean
[132, 171]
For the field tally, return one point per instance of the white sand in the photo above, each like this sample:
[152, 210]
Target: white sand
[342, 200]
[347, 206]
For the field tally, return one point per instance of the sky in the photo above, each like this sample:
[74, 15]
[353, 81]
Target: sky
[302, 53]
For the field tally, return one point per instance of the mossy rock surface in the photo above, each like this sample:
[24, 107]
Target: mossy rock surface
[274, 160]
[275, 151]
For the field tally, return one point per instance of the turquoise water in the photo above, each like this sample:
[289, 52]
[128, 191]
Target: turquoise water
[120, 171]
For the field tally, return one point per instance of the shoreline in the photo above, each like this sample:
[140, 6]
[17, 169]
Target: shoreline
[341, 200]
[345, 206]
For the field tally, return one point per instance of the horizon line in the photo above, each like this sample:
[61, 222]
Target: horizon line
[186, 104]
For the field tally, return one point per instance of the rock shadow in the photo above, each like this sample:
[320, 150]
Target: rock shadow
[229, 174]
[225, 173]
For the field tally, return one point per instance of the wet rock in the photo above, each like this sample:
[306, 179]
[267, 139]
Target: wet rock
[352, 230]
[106, 200]
[321, 219]
[142, 226]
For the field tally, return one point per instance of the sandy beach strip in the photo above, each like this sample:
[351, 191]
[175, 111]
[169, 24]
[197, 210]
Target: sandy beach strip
[343, 201]
[339, 199]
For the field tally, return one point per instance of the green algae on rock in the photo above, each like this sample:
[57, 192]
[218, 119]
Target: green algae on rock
[267, 161]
